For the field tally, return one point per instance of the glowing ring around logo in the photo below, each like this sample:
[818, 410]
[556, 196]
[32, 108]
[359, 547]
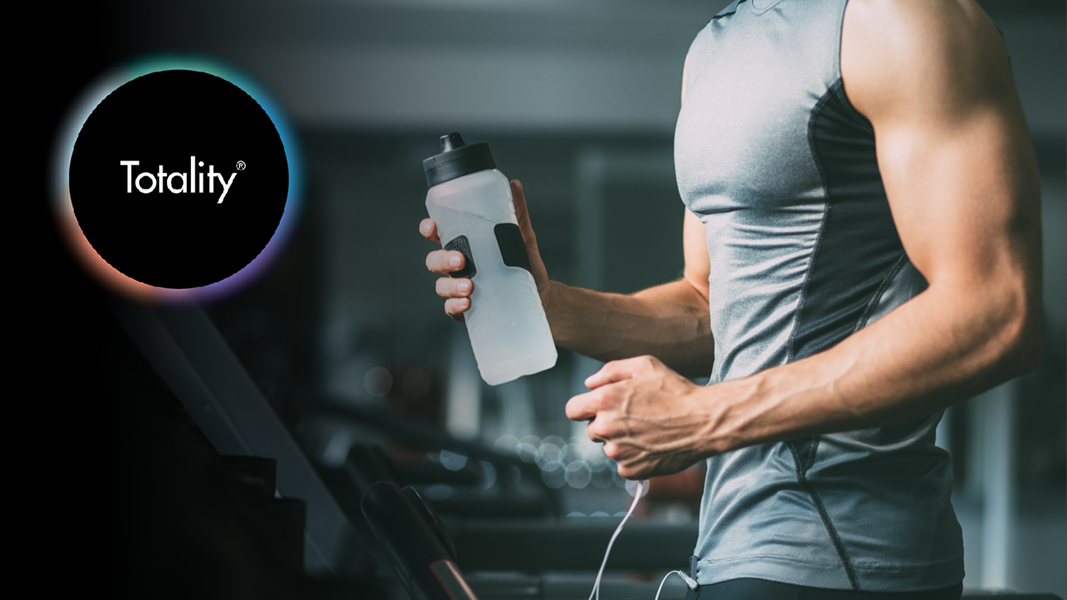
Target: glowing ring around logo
[64, 211]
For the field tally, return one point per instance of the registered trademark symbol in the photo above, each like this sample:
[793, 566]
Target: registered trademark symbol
[241, 165]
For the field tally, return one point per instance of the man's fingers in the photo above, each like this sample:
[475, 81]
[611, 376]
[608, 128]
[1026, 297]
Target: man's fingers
[455, 307]
[616, 370]
[454, 288]
[522, 215]
[518, 198]
[428, 229]
[603, 429]
[444, 261]
[582, 407]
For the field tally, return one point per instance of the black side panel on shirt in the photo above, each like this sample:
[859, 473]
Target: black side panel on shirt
[858, 244]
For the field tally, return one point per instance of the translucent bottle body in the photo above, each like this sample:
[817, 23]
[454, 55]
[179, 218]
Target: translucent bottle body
[506, 322]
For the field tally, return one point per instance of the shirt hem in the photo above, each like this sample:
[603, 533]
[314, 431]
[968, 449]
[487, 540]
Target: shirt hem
[888, 578]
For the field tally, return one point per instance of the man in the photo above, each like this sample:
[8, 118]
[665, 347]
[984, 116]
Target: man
[863, 221]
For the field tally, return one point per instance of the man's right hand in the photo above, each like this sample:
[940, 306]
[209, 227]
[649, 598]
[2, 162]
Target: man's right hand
[457, 291]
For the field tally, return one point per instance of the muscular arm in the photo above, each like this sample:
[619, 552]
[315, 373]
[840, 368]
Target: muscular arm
[959, 171]
[669, 321]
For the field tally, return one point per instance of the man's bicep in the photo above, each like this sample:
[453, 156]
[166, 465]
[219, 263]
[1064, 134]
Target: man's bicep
[697, 264]
[966, 203]
[953, 147]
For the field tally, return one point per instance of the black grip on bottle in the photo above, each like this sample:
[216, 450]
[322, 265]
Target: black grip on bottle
[512, 248]
[460, 244]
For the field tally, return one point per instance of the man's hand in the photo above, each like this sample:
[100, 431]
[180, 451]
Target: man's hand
[444, 262]
[648, 417]
[669, 321]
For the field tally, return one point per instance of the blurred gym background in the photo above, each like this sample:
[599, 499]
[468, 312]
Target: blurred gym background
[578, 100]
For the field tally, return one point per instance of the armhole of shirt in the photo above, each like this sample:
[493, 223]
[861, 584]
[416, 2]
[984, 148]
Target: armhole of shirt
[838, 76]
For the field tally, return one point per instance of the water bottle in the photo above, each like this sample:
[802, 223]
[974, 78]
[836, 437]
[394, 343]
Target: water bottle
[470, 200]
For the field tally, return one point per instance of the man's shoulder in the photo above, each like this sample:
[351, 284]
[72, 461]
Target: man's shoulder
[895, 55]
[918, 17]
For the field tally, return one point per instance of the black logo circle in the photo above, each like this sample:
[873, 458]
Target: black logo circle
[178, 179]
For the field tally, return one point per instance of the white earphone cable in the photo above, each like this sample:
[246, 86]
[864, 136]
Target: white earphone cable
[689, 581]
[642, 486]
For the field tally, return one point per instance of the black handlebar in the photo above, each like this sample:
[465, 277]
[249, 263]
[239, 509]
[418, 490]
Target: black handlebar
[416, 544]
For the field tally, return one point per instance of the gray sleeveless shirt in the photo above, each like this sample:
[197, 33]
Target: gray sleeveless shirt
[773, 159]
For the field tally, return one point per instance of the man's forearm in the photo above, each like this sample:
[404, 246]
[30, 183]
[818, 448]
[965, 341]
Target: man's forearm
[670, 322]
[930, 353]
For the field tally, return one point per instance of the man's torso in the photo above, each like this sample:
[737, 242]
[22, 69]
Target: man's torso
[781, 170]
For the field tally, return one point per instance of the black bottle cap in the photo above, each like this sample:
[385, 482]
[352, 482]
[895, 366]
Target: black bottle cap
[456, 160]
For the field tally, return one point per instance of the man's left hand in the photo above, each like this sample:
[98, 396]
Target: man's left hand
[649, 417]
